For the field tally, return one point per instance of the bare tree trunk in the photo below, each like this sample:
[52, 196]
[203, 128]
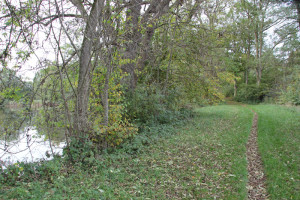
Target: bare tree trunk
[246, 76]
[258, 45]
[257, 69]
[85, 69]
[133, 37]
[235, 88]
[248, 57]
[259, 39]
[261, 43]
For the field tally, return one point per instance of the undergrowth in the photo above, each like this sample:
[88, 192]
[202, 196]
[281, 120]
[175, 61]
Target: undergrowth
[33, 180]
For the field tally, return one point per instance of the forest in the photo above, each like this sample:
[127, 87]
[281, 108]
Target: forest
[113, 79]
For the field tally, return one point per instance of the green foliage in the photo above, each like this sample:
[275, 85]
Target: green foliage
[81, 151]
[116, 133]
[12, 174]
[12, 88]
[28, 172]
[228, 90]
[11, 94]
[291, 94]
[152, 132]
[148, 104]
[251, 93]
[10, 121]
[118, 128]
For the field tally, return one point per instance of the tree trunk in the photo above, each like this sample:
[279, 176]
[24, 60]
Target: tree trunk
[85, 69]
[137, 42]
[259, 40]
[246, 76]
[248, 58]
[257, 69]
[133, 37]
[258, 76]
[235, 88]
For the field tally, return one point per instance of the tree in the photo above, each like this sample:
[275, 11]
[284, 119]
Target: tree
[87, 34]
[108, 51]
[295, 4]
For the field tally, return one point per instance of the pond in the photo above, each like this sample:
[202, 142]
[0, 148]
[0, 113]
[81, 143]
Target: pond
[24, 144]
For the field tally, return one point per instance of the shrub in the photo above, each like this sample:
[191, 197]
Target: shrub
[149, 104]
[291, 95]
[115, 133]
[27, 172]
[80, 151]
[251, 93]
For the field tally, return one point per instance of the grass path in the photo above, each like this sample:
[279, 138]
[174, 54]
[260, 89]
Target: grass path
[278, 143]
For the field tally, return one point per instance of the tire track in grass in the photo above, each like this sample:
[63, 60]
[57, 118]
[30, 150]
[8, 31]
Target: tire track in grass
[256, 177]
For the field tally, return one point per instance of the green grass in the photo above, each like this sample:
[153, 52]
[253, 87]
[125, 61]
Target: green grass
[279, 145]
[204, 158]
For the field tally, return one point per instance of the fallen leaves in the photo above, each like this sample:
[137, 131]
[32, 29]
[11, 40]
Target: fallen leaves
[256, 185]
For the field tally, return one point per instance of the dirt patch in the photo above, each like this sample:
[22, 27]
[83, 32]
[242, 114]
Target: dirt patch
[256, 185]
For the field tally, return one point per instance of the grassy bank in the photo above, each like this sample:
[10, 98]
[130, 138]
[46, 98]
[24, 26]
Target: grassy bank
[202, 158]
[278, 140]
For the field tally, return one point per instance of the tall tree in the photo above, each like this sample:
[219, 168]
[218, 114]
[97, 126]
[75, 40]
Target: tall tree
[81, 31]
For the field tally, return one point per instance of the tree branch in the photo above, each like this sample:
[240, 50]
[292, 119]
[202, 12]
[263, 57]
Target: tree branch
[78, 4]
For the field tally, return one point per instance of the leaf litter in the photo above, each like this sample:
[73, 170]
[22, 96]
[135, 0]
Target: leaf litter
[256, 177]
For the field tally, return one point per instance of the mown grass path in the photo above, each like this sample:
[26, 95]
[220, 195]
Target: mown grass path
[278, 143]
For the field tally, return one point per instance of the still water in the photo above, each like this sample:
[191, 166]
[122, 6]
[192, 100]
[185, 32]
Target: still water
[26, 145]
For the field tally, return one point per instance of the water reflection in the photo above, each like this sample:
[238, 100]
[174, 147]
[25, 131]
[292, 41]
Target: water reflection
[25, 145]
